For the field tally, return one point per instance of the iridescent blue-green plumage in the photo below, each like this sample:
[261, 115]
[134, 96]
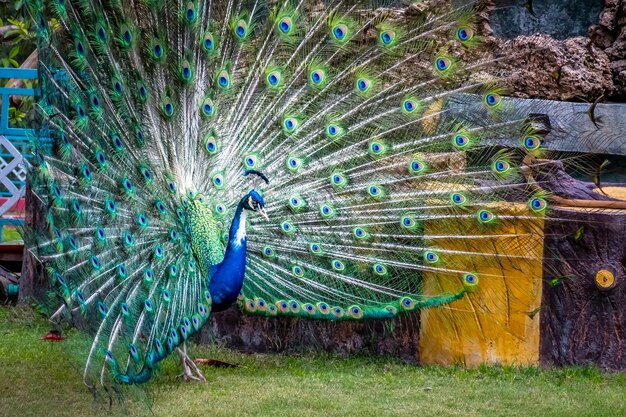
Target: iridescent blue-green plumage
[156, 109]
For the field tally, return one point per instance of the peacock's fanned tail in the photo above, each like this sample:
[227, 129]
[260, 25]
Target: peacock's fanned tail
[157, 107]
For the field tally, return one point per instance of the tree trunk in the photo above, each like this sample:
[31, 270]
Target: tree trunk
[33, 280]
[583, 319]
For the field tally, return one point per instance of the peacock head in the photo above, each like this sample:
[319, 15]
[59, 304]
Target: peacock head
[253, 201]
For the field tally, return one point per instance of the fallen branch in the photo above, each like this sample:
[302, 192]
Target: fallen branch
[526, 169]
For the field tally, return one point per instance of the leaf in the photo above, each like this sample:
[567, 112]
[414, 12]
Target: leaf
[14, 52]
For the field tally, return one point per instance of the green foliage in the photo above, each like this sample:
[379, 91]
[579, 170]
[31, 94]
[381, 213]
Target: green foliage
[16, 44]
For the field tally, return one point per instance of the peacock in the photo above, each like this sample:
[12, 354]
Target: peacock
[300, 158]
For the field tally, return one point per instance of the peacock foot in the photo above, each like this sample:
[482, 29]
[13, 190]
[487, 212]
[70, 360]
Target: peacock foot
[191, 372]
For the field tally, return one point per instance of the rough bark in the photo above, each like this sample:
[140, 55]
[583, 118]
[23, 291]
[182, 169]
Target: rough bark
[33, 280]
[581, 322]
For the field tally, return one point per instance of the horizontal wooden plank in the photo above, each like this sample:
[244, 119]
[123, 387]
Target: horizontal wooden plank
[571, 128]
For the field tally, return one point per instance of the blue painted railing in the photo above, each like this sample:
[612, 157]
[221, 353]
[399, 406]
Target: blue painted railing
[14, 147]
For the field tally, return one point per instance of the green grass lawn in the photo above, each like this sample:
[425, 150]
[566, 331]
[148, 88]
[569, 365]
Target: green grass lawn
[38, 378]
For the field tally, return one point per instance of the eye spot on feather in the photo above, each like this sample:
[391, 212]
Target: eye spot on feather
[121, 271]
[127, 36]
[56, 190]
[285, 24]
[102, 308]
[485, 216]
[158, 252]
[208, 43]
[218, 180]
[501, 166]
[269, 252]
[143, 93]
[101, 33]
[315, 248]
[241, 29]
[100, 234]
[379, 269]
[323, 308]
[80, 48]
[223, 79]
[207, 107]
[290, 124]
[532, 143]
[416, 166]
[538, 204]
[282, 306]
[190, 13]
[377, 148]
[338, 180]
[338, 312]
[355, 312]
[359, 233]
[470, 281]
[492, 100]
[220, 208]
[460, 141]
[210, 144]
[340, 32]
[160, 206]
[142, 221]
[363, 85]
[431, 257]
[464, 34]
[250, 161]
[334, 131]
[287, 227]
[294, 306]
[294, 164]
[158, 50]
[110, 206]
[273, 78]
[327, 211]
[442, 64]
[458, 198]
[338, 266]
[387, 37]
[95, 262]
[309, 308]
[173, 271]
[407, 304]
[391, 310]
[375, 191]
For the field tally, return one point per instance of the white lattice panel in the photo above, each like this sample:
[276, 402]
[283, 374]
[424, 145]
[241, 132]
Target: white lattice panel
[12, 174]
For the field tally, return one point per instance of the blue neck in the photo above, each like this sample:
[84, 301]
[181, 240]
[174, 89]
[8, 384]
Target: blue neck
[227, 277]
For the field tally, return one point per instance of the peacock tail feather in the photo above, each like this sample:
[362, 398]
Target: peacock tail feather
[157, 108]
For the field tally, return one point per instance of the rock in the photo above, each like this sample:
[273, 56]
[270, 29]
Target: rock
[610, 35]
[542, 67]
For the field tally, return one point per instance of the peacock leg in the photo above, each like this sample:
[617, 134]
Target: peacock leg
[191, 372]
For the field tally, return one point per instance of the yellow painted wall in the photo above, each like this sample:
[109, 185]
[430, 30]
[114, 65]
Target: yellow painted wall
[498, 323]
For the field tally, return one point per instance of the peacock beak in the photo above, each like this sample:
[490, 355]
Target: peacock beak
[263, 214]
